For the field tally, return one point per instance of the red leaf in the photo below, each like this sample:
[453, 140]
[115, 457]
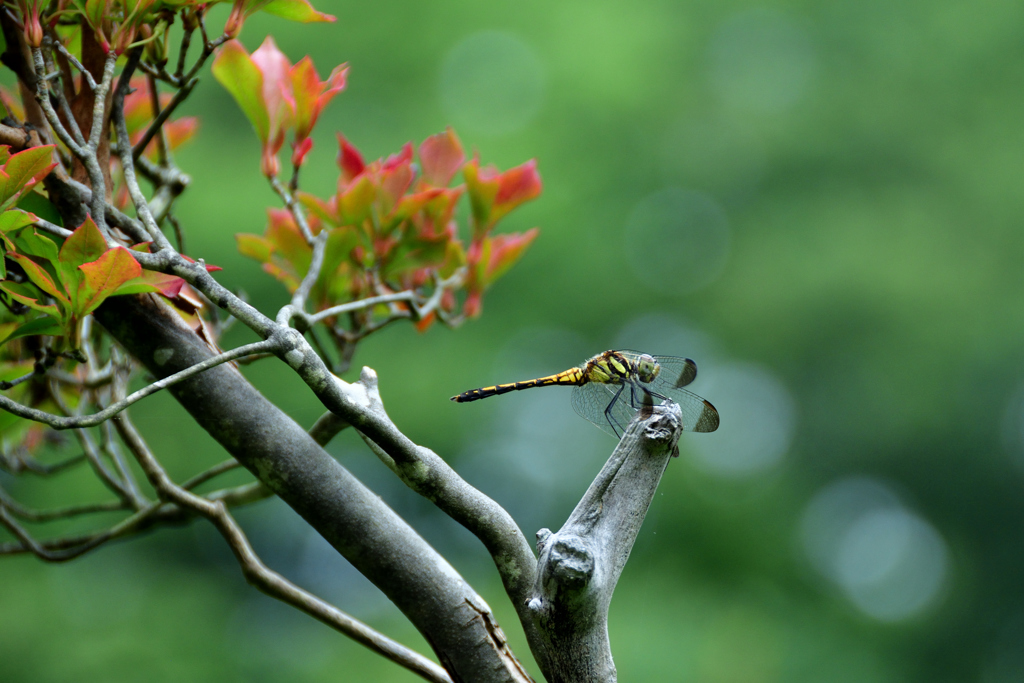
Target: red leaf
[516, 185]
[395, 178]
[152, 281]
[350, 161]
[441, 156]
[425, 322]
[277, 87]
[300, 150]
[474, 304]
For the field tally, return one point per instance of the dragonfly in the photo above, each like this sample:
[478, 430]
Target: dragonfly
[613, 387]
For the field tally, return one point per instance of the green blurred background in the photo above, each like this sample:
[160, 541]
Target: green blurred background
[819, 202]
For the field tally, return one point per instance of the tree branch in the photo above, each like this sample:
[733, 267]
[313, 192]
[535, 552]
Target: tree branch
[259, 575]
[581, 562]
[352, 518]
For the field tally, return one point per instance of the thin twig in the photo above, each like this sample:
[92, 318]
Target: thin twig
[68, 55]
[18, 464]
[179, 234]
[124, 150]
[162, 116]
[26, 513]
[71, 422]
[43, 98]
[263, 578]
[341, 309]
[109, 479]
[186, 41]
[5, 385]
[209, 474]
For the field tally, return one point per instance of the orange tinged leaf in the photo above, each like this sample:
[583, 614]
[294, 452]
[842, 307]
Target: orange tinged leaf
[505, 250]
[102, 277]
[441, 156]
[254, 246]
[85, 244]
[40, 278]
[515, 186]
[312, 95]
[22, 171]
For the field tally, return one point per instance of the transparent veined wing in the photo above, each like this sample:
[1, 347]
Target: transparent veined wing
[592, 400]
[677, 372]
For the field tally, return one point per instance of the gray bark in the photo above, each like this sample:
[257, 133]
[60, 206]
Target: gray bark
[562, 600]
[581, 562]
[452, 617]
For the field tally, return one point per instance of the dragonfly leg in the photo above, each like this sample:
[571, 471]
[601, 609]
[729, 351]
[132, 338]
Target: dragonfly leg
[645, 404]
[616, 427]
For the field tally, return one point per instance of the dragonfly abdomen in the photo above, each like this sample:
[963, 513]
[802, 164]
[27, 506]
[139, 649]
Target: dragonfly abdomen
[572, 377]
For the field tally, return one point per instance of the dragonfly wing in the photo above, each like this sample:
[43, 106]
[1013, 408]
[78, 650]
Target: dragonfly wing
[698, 415]
[676, 371]
[591, 402]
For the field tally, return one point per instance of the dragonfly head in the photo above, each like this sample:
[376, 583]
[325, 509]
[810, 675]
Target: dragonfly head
[647, 368]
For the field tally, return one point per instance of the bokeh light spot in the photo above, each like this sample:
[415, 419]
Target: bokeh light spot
[677, 240]
[492, 83]
[761, 61]
[758, 420]
[889, 561]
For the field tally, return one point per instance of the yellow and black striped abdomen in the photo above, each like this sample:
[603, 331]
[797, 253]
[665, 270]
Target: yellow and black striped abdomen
[572, 377]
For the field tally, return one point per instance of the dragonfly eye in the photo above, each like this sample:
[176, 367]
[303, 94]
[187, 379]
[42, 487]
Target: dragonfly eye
[647, 368]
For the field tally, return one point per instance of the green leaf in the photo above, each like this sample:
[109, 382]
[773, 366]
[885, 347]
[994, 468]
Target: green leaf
[356, 202]
[42, 325]
[415, 252]
[240, 76]
[35, 203]
[15, 292]
[28, 241]
[16, 219]
[40, 278]
[85, 245]
[482, 187]
[254, 246]
[22, 171]
[296, 10]
[103, 276]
